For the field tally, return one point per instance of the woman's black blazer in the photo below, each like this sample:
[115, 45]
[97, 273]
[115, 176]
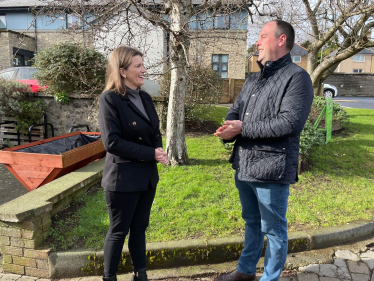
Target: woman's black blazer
[130, 140]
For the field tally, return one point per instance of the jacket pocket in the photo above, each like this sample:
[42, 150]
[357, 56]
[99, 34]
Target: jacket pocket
[267, 163]
[117, 160]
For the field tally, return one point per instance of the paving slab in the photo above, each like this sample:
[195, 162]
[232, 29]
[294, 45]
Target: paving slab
[328, 270]
[7, 182]
[312, 268]
[346, 255]
[11, 276]
[307, 276]
[360, 277]
[329, 279]
[358, 267]
[367, 255]
[368, 258]
[340, 263]
[343, 273]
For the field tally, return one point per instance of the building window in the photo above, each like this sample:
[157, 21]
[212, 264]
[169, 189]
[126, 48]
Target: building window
[2, 22]
[357, 70]
[296, 59]
[73, 21]
[220, 64]
[22, 57]
[222, 21]
[359, 58]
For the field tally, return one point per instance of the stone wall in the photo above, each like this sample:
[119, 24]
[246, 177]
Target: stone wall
[82, 110]
[352, 84]
[25, 221]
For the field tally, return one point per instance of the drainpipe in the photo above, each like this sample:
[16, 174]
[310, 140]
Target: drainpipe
[36, 37]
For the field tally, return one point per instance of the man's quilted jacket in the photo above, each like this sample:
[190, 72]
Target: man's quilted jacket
[273, 105]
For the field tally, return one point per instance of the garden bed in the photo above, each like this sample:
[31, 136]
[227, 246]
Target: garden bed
[201, 201]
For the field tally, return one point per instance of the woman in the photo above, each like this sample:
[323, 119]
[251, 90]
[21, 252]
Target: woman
[130, 132]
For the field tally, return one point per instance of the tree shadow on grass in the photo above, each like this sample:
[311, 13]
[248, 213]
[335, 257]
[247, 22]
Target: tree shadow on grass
[208, 162]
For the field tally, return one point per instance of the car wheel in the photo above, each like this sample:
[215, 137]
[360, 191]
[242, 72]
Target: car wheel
[328, 94]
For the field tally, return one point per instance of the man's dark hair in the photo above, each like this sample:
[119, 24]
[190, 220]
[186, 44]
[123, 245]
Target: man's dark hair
[286, 28]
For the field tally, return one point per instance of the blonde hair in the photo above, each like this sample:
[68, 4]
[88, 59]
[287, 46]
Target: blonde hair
[120, 58]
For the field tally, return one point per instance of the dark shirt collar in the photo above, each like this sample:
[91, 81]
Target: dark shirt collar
[272, 66]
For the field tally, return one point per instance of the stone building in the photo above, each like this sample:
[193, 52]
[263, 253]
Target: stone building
[219, 41]
[23, 33]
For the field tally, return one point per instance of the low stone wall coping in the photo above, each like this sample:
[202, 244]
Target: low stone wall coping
[41, 199]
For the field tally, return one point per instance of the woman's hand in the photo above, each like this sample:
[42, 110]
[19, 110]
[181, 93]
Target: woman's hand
[161, 156]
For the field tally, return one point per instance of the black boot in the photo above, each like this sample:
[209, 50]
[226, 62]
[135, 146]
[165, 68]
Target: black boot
[139, 275]
[110, 278]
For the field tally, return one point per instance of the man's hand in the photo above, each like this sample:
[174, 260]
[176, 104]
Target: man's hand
[231, 129]
[161, 156]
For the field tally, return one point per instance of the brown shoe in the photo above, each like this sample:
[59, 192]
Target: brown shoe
[235, 276]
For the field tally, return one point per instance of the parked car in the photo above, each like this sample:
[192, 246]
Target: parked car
[24, 75]
[329, 91]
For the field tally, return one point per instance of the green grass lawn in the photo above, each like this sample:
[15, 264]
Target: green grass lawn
[201, 201]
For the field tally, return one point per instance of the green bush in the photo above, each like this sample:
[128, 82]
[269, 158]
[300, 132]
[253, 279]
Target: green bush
[71, 69]
[11, 94]
[338, 114]
[204, 90]
[15, 102]
[31, 113]
[310, 137]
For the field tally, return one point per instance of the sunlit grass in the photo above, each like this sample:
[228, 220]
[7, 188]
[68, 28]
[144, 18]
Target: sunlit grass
[200, 200]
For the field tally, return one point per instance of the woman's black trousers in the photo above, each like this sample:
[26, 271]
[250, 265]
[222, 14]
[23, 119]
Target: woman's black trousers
[128, 212]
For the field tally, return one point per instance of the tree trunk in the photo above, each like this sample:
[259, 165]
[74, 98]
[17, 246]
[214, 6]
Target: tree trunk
[312, 61]
[179, 45]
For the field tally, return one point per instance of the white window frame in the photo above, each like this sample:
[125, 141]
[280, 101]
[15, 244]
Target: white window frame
[294, 59]
[219, 64]
[355, 70]
[359, 58]
[73, 21]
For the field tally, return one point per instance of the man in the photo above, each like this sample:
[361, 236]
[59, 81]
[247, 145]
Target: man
[266, 121]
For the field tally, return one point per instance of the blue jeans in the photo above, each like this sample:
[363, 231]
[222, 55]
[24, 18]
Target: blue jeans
[264, 208]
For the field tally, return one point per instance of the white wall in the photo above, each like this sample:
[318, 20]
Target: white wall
[138, 34]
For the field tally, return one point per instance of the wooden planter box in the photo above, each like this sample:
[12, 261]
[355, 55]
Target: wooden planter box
[36, 169]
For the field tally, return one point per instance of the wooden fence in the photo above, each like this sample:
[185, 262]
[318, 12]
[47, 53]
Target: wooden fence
[9, 135]
[231, 89]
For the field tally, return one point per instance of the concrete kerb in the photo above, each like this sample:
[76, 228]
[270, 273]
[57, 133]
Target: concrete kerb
[199, 252]
[166, 254]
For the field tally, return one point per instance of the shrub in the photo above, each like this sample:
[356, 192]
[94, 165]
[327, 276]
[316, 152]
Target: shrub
[310, 137]
[71, 69]
[15, 102]
[31, 113]
[11, 94]
[204, 89]
[339, 114]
